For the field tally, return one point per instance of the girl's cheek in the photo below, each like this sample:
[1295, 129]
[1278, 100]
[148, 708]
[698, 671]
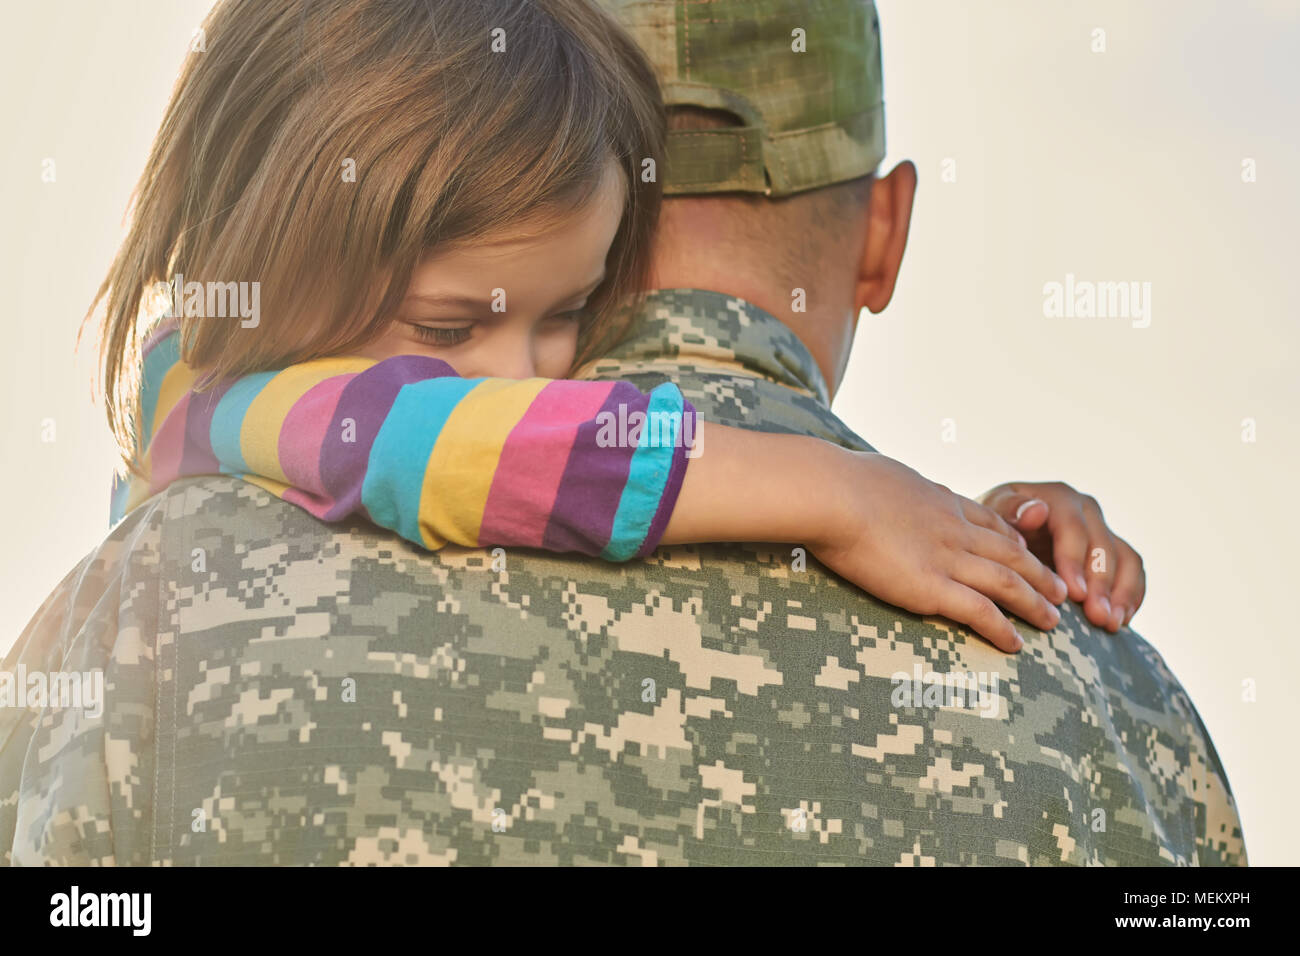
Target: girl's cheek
[557, 351]
[492, 355]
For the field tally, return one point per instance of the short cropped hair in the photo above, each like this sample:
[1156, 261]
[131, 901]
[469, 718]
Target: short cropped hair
[816, 217]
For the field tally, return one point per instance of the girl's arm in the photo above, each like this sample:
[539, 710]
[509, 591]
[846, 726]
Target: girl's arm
[558, 465]
[872, 520]
[439, 459]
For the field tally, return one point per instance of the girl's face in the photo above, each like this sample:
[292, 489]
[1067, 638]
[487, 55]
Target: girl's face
[538, 284]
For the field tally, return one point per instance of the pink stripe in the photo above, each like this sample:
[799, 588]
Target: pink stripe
[303, 433]
[301, 439]
[167, 449]
[532, 462]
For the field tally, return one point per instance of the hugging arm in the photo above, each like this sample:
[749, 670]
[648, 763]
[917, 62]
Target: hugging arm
[599, 468]
[436, 458]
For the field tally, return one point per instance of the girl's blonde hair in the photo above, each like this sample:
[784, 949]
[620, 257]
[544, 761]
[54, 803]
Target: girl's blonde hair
[461, 119]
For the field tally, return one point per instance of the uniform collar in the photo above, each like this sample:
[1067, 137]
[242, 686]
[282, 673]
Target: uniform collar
[721, 331]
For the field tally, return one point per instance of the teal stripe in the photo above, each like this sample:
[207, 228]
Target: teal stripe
[117, 502]
[165, 353]
[228, 421]
[399, 457]
[647, 475]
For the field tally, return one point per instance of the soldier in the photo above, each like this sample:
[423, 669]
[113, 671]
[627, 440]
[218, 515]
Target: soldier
[283, 691]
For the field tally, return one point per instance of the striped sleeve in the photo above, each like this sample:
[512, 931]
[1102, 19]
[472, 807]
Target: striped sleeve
[591, 467]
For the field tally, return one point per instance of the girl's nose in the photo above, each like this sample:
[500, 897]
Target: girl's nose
[517, 360]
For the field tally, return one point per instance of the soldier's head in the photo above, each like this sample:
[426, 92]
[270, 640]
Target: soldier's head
[775, 130]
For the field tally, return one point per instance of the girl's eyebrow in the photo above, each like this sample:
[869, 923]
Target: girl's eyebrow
[442, 298]
[470, 302]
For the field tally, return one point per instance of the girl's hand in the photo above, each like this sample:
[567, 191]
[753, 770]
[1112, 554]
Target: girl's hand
[916, 544]
[1066, 528]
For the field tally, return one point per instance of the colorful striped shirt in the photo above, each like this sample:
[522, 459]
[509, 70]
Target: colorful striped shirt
[407, 443]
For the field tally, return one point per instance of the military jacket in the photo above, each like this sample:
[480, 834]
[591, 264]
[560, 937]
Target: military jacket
[282, 691]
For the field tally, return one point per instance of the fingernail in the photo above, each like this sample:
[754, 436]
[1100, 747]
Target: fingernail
[1054, 615]
[1080, 583]
[1025, 506]
[1118, 616]
[1060, 583]
[1104, 602]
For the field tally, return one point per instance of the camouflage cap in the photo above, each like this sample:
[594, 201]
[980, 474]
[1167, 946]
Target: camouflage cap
[802, 76]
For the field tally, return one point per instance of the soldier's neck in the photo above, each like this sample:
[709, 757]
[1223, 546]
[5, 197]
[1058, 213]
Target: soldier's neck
[825, 327]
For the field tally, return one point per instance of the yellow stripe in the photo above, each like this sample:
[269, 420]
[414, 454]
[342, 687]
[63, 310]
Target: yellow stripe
[178, 380]
[464, 461]
[259, 436]
[277, 488]
[139, 492]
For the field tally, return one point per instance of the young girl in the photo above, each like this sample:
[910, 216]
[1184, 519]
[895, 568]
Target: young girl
[439, 206]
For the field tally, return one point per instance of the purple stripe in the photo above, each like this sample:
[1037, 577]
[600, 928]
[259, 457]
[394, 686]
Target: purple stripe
[582, 518]
[164, 328]
[367, 400]
[197, 458]
[672, 488]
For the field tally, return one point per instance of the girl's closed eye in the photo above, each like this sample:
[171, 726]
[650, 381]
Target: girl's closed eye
[448, 336]
[445, 336]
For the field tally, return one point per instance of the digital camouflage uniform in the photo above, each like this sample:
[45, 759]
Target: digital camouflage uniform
[283, 691]
[708, 705]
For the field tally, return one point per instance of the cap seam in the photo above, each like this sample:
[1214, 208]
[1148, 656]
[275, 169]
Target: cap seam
[831, 124]
[686, 36]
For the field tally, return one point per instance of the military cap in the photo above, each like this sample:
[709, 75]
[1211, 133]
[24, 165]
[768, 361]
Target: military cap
[802, 77]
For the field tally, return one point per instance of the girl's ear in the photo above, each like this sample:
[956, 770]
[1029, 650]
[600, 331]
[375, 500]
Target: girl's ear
[889, 214]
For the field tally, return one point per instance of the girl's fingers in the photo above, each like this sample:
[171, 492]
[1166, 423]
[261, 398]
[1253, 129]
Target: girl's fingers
[1018, 559]
[1130, 586]
[1022, 511]
[1099, 570]
[1069, 549]
[974, 610]
[1003, 585]
[984, 517]
[1030, 513]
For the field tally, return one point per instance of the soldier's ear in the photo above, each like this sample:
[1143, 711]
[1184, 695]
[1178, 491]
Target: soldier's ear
[889, 215]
